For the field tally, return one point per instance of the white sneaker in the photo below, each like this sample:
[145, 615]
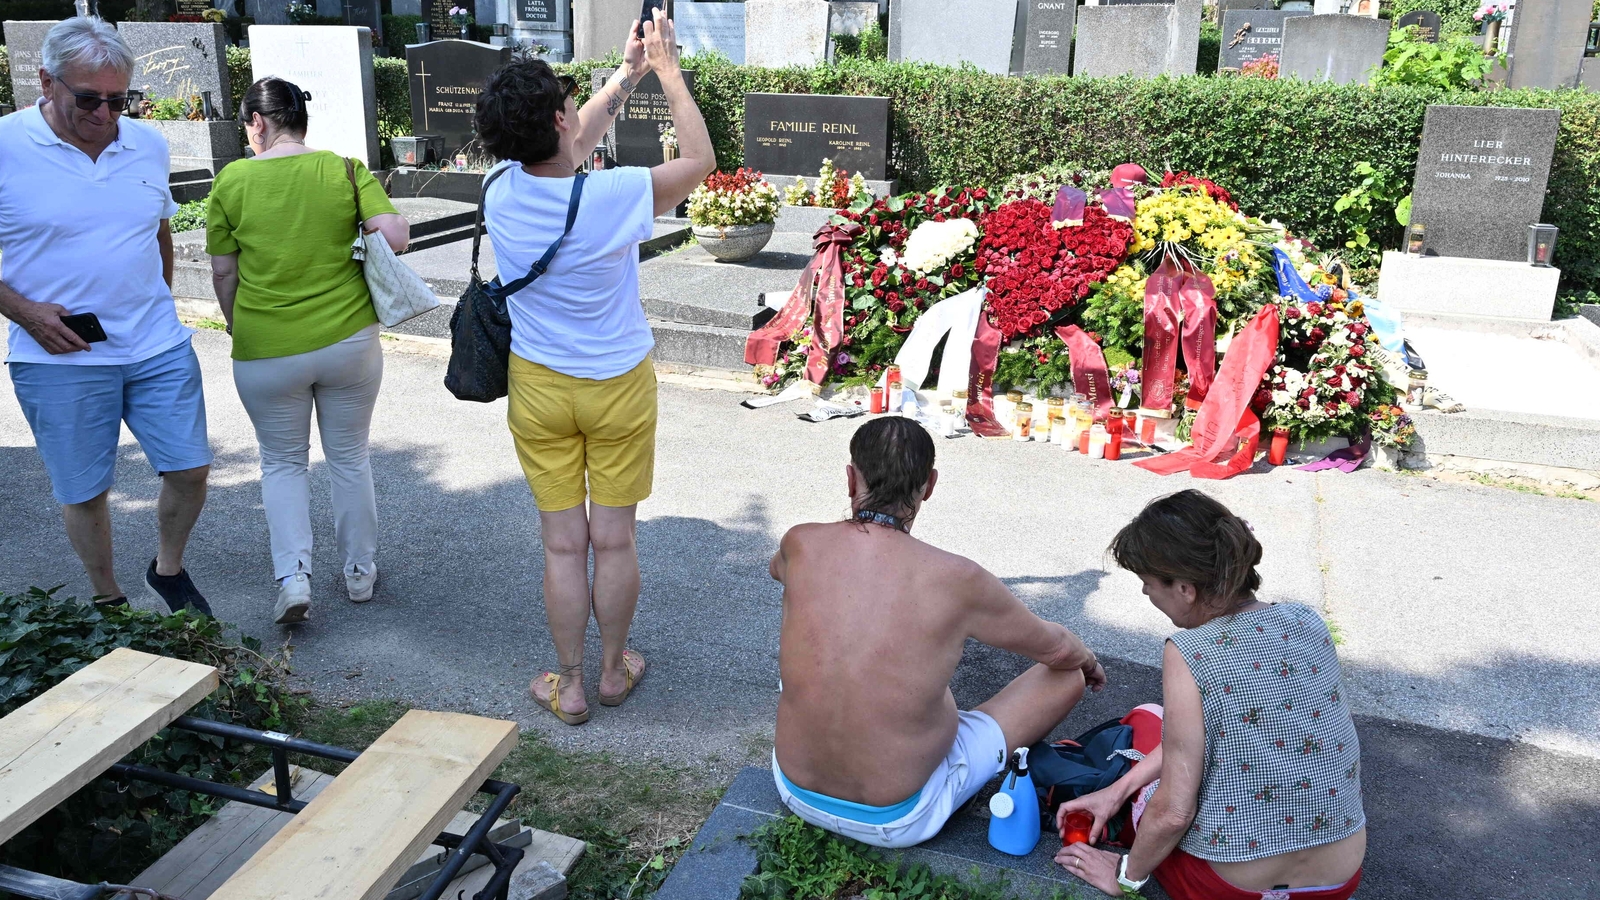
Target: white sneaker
[360, 584]
[294, 600]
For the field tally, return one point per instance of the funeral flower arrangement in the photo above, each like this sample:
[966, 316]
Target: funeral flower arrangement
[738, 198]
[1091, 261]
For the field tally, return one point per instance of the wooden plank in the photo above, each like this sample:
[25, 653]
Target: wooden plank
[355, 840]
[212, 853]
[218, 848]
[69, 735]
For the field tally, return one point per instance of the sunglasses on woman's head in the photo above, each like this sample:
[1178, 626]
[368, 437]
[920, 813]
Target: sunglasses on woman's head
[568, 84]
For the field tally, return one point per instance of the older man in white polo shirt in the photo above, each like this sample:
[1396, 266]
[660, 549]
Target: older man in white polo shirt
[84, 203]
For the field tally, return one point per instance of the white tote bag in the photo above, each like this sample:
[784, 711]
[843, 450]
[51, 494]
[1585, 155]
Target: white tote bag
[398, 293]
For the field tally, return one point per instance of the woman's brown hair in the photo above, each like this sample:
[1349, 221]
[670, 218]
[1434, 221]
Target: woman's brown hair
[1190, 537]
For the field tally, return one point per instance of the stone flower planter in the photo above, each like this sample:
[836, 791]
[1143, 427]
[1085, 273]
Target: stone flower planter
[733, 243]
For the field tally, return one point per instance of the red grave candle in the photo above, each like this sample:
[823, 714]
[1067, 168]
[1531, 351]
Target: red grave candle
[1075, 830]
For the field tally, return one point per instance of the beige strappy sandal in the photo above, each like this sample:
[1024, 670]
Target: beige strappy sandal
[634, 676]
[554, 702]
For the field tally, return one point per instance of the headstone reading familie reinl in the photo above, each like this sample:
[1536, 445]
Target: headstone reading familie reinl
[634, 138]
[1250, 34]
[705, 27]
[179, 60]
[23, 41]
[791, 134]
[334, 64]
[446, 79]
[951, 32]
[1340, 49]
[1042, 41]
[1481, 178]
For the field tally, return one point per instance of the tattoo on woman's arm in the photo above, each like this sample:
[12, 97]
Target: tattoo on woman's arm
[626, 87]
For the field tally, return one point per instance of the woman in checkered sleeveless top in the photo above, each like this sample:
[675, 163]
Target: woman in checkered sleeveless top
[1255, 790]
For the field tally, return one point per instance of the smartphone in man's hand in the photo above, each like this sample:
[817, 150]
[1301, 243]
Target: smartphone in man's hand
[85, 326]
[647, 13]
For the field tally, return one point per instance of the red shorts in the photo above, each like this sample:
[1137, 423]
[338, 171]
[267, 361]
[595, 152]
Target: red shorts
[1186, 877]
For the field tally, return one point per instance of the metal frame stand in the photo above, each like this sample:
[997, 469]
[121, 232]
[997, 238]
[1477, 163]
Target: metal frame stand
[504, 858]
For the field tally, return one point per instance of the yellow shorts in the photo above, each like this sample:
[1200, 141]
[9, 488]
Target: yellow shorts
[565, 427]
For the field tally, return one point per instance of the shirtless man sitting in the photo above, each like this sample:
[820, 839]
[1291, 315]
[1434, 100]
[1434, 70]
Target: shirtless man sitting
[870, 744]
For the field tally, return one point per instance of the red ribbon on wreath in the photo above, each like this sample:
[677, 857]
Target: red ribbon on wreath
[1197, 301]
[1158, 371]
[1089, 375]
[1226, 432]
[820, 297]
[980, 382]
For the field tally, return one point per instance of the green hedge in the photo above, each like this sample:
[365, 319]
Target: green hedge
[6, 94]
[1286, 149]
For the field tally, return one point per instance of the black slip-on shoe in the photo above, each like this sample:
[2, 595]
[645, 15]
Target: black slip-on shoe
[177, 591]
[110, 602]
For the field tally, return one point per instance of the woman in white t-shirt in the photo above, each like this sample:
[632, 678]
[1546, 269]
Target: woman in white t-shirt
[582, 405]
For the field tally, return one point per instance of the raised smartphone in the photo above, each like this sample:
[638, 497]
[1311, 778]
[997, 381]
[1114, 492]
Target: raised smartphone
[646, 14]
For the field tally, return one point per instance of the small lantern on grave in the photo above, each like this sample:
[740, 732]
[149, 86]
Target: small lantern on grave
[1541, 244]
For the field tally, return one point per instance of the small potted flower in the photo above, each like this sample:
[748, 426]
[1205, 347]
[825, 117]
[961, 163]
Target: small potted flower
[463, 20]
[732, 214]
[669, 143]
[1489, 16]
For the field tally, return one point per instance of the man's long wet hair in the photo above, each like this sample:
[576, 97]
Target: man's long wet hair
[895, 457]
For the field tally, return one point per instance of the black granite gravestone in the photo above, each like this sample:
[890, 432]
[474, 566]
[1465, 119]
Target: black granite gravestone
[1481, 178]
[364, 14]
[1042, 41]
[1426, 20]
[542, 12]
[635, 136]
[191, 10]
[446, 79]
[1249, 34]
[437, 14]
[791, 134]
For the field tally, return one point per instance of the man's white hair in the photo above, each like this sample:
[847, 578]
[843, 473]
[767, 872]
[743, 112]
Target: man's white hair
[85, 44]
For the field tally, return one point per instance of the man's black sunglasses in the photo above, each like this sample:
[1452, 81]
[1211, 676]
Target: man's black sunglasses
[91, 102]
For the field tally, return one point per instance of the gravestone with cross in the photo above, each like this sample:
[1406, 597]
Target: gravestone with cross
[363, 14]
[179, 60]
[1426, 22]
[334, 64]
[446, 79]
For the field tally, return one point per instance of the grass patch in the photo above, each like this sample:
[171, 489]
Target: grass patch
[210, 324]
[636, 816]
[799, 860]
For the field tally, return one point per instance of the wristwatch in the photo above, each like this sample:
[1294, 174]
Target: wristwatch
[1129, 888]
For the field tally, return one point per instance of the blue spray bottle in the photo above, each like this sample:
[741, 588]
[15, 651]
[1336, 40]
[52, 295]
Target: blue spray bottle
[1014, 810]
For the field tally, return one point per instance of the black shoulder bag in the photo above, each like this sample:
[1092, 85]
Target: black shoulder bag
[480, 328]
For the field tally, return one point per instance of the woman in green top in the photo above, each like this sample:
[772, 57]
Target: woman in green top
[279, 228]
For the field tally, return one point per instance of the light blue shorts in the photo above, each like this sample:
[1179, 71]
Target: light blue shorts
[76, 413]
